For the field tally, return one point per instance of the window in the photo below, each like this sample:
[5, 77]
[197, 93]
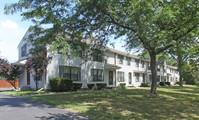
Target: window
[120, 59]
[72, 73]
[149, 66]
[165, 79]
[158, 78]
[24, 50]
[128, 61]
[121, 76]
[137, 62]
[142, 62]
[137, 75]
[130, 78]
[97, 74]
[158, 68]
[97, 58]
[143, 78]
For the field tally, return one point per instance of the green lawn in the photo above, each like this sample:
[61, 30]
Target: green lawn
[172, 103]
[24, 93]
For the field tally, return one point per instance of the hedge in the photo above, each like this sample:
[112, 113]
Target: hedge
[77, 86]
[101, 85]
[168, 83]
[162, 84]
[123, 85]
[144, 85]
[90, 86]
[60, 84]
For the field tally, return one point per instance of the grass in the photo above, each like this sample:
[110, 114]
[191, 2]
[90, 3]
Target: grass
[172, 103]
[24, 93]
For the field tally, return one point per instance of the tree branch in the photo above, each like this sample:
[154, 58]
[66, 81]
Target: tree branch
[188, 31]
[163, 49]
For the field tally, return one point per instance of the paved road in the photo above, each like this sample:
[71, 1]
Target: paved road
[16, 108]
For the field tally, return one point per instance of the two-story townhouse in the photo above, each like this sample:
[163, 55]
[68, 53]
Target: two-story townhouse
[113, 68]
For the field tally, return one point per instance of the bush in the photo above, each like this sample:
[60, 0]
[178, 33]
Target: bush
[123, 85]
[144, 85]
[168, 83]
[101, 85]
[90, 86]
[177, 82]
[197, 83]
[162, 84]
[77, 86]
[60, 84]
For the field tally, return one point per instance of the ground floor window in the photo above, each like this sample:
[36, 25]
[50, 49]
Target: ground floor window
[97, 74]
[72, 73]
[120, 76]
[143, 78]
[137, 75]
[158, 78]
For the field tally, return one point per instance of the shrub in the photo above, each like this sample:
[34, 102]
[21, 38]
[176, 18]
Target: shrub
[60, 84]
[177, 82]
[123, 85]
[168, 83]
[197, 83]
[90, 86]
[101, 85]
[162, 84]
[77, 86]
[144, 85]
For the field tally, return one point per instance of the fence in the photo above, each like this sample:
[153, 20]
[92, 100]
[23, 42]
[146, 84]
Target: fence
[6, 84]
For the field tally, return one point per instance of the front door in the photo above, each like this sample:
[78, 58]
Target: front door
[28, 78]
[130, 78]
[110, 77]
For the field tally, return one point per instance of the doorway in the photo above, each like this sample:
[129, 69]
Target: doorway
[110, 77]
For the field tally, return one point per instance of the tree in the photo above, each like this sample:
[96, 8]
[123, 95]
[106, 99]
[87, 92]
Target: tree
[37, 63]
[154, 25]
[9, 71]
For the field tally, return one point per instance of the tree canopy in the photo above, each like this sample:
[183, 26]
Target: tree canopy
[154, 25]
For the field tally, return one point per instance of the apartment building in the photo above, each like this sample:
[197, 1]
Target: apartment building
[114, 68]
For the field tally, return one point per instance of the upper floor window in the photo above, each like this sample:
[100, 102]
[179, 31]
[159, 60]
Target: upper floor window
[120, 76]
[142, 62]
[72, 73]
[128, 59]
[97, 74]
[137, 62]
[24, 50]
[121, 58]
[97, 58]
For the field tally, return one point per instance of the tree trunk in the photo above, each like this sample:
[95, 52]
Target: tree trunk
[13, 84]
[180, 70]
[153, 72]
[36, 83]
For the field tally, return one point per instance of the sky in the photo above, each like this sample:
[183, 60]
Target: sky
[12, 30]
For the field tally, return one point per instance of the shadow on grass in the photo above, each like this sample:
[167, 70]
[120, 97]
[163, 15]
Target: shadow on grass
[128, 104]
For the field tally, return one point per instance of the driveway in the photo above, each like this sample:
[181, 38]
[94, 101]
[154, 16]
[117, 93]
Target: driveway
[17, 108]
